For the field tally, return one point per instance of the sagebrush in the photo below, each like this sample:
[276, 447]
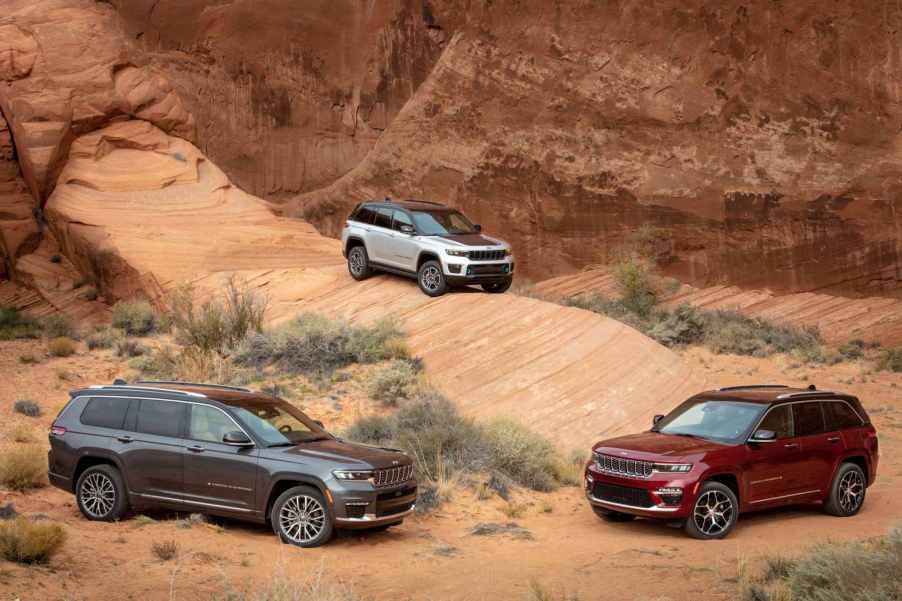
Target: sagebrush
[23, 467]
[25, 541]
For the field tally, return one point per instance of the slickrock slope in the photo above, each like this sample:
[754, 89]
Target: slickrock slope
[759, 141]
[142, 211]
[838, 318]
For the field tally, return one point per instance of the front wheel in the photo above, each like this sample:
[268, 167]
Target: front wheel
[100, 493]
[301, 517]
[497, 287]
[714, 513]
[847, 491]
[431, 279]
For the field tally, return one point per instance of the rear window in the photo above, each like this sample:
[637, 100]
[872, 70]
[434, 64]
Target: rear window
[364, 215]
[162, 418]
[105, 412]
[841, 416]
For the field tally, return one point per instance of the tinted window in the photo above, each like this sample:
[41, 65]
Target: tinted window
[364, 215]
[208, 424]
[841, 416]
[401, 218]
[383, 217]
[105, 412]
[778, 420]
[163, 418]
[809, 419]
[277, 422]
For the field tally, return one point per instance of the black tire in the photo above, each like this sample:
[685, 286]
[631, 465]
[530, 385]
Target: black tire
[101, 494]
[612, 516]
[359, 263]
[289, 523]
[847, 491]
[432, 279]
[714, 512]
[498, 287]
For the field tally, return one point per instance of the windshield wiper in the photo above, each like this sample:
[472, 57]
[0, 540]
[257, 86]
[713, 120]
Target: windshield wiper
[686, 434]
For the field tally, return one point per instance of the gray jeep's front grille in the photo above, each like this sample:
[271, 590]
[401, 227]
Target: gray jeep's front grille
[486, 255]
[633, 468]
[393, 475]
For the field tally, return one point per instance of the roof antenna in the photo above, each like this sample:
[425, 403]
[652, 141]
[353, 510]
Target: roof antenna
[812, 387]
[119, 382]
[388, 199]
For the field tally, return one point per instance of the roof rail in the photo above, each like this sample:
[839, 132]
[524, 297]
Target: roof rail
[199, 385]
[428, 202]
[139, 387]
[753, 387]
[803, 394]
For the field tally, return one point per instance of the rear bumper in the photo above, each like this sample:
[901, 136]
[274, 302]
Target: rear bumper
[60, 481]
[656, 505]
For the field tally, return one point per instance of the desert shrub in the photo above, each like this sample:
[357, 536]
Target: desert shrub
[312, 344]
[29, 359]
[636, 283]
[23, 467]
[189, 364]
[372, 429]
[161, 364]
[165, 550]
[731, 332]
[103, 338]
[853, 349]
[684, 326]
[24, 541]
[523, 455]
[315, 587]
[59, 326]
[62, 347]
[214, 325]
[397, 380]
[14, 325]
[890, 360]
[26, 407]
[135, 317]
[129, 348]
[538, 592]
[22, 434]
[91, 294]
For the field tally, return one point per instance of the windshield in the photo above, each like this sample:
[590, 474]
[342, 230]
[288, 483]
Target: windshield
[442, 223]
[276, 422]
[718, 420]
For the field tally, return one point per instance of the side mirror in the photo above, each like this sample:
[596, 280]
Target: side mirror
[763, 436]
[477, 227]
[656, 419]
[407, 229]
[236, 438]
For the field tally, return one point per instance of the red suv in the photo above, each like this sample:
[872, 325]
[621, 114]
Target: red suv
[738, 449]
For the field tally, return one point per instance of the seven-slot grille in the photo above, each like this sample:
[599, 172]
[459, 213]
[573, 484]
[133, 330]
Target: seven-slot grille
[623, 495]
[393, 475]
[486, 255]
[632, 468]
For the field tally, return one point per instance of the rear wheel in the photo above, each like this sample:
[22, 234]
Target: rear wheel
[497, 287]
[613, 516]
[301, 517]
[847, 491]
[359, 263]
[714, 513]
[431, 279]
[101, 494]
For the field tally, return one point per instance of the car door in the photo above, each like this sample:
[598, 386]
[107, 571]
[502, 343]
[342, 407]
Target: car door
[772, 468]
[404, 248]
[379, 238]
[153, 449]
[817, 447]
[217, 474]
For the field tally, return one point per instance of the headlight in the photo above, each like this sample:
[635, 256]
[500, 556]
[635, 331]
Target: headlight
[671, 468]
[456, 253]
[353, 474]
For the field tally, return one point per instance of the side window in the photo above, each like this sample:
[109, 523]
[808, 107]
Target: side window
[105, 412]
[208, 424]
[840, 416]
[779, 420]
[400, 218]
[162, 418]
[383, 217]
[809, 419]
[364, 215]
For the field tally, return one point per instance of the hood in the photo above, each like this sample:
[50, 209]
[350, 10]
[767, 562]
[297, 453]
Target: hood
[472, 240]
[340, 452]
[652, 446]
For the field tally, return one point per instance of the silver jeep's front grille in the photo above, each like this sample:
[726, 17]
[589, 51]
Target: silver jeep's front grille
[392, 475]
[486, 255]
[631, 468]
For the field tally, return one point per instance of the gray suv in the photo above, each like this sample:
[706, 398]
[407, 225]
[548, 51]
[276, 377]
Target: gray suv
[225, 451]
[428, 241]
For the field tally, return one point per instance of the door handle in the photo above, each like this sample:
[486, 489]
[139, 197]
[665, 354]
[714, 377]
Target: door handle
[791, 445]
[834, 439]
[196, 448]
[125, 439]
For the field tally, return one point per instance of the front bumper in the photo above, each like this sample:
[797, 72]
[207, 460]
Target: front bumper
[631, 491]
[359, 505]
[460, 270]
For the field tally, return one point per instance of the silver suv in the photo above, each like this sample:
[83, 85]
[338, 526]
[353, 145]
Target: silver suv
[428, 241]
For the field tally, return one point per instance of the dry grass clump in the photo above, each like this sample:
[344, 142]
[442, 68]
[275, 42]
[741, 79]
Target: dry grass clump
[399, 380]
[538, 592]
[135, 317]
[25, 541]
[23, 467]
[62, 347]
[129, 348]
[165, 550]
[22, 434]
[14, 325]
[59, 326]
[28, 408]
[316, 587]
[103, 338]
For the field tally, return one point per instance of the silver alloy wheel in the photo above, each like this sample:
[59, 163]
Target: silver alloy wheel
[431, 278]
[713, 512]
[302, 519]
[356, 261]
[97, 495]
[851, 491]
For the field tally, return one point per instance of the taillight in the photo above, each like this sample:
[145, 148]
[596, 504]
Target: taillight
[57, 430]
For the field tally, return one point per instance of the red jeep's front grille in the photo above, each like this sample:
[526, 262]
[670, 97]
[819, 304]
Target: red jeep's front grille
[632, 468]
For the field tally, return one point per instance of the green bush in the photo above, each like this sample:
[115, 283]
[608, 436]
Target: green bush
[396, 381]
[59, 326]
[853, 349]
[62, 347]
[135, 317]
[14, 325]
[637, 283]
[524, 456]
[890, 360]
[103, 338]
[24, 541]
[129, 348]
[23, 467]
[684, 326]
